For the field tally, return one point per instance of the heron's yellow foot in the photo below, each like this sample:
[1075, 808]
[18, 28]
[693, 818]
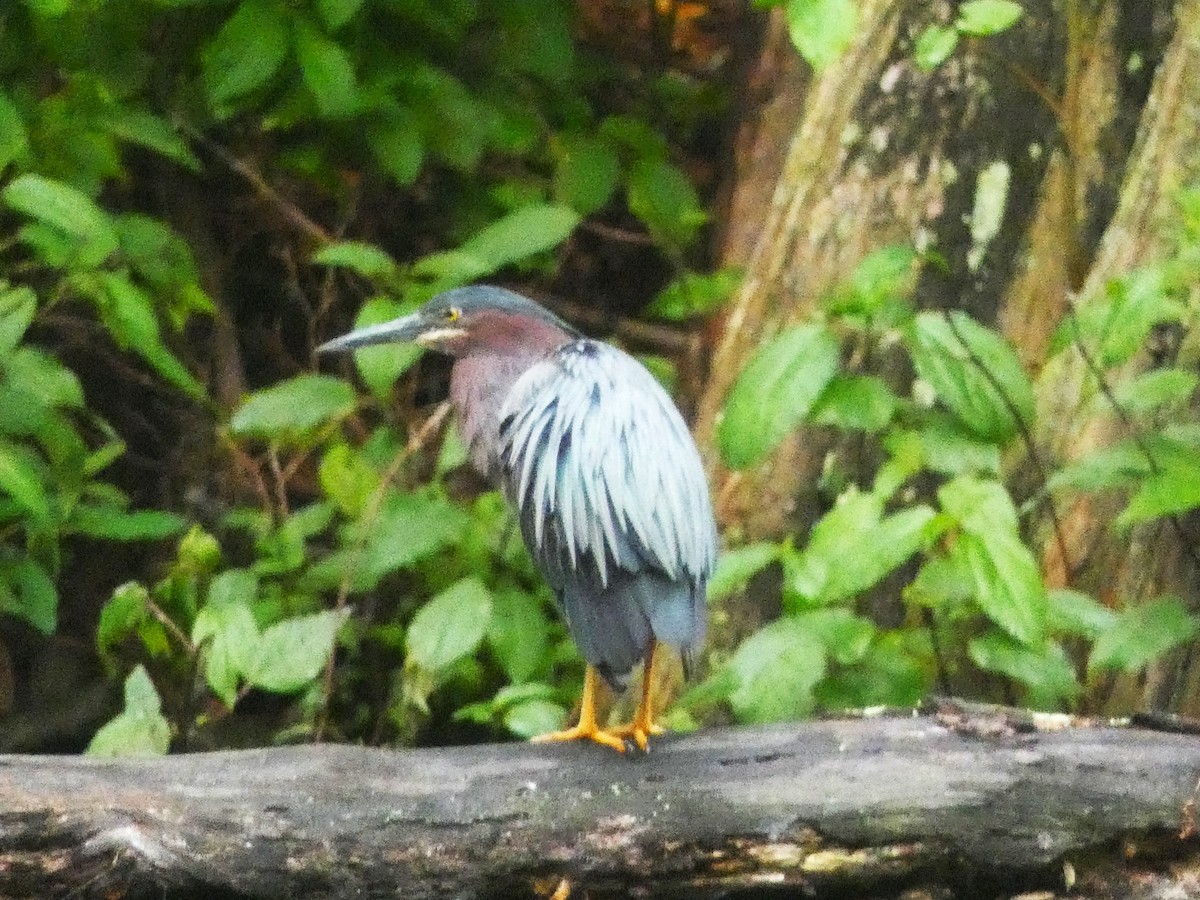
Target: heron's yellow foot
[587, 729]
[640, 732]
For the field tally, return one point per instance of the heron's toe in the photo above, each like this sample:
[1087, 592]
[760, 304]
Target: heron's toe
[582, 733]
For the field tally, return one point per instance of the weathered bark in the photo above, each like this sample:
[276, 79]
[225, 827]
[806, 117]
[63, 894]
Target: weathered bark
[955, 804]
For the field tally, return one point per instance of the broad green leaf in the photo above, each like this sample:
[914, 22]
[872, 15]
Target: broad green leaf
[247, 51]
[1075, 613]
[521, 234]
[21, 480]
[365, 259]
[845, 636]
[856, 403]
[774, 393]
[41, 376]
[1158, 388]
[336, 13]
[294, 408]
[380, 366]
[533, 717]
[1168, 492]
[410, 527]
[233, 646]
[292, 653]
[775, 671]
[449, 626]
[879, 287]
[124, 612]
[1119, 466]
[586, 173]
[30, 594]
[396, 141]
[347, 479]
[14, 139]
[1045, 671]
[948, 448]
[1008, 583]
[948, 353]
[115, 524]
[897, 670]
[139, 730]
[67, 210]
[736, 567]
[232, 586]
[695, 294]
[986, 17]
[328, 71]
[157, 253]
[1142, 634]
[822, 30]
[147, 130]
[662, 197]
[1114, 325]
[17, 307]
[518, 633]
[934, 46]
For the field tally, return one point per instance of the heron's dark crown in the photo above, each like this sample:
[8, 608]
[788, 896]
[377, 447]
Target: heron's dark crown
[486, 297]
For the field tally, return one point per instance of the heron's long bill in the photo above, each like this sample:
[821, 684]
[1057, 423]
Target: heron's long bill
[406, 329]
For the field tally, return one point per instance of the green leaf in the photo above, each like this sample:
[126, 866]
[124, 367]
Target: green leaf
[521, 234]
[518, 633]
[897, 670]
[110, 523]
[347, 479]
[736, 567]
[327, 70]
[944, 352]
[986, 17]
[232, 586]
[694, 294]
[30, 595]
[17, 307]
[21, 480]
[233, 646]
[1115, 325]
[856, 403]
[822, 30]
[533, 717]
[246, 53]
[409, 528]
[1142, 634]
[336, 13]
[139, 730]
[1045, 671]
[934, 46]
[1119, 466]
[662, 197]
[1008, 583]
[775, 671]
[125, 611]
[1168, 492]
[1075, 613]
[157, 253]
[67, 210]
[147, 130]
[395, 140]
[449, 626]
[14, 139]
[292, 653]
[365, 259]
[380, 366]
[845, 636]
[1158, 388]
[129, 315]
[946, 447]
[586, 173]
[775, 392]
[295, 408]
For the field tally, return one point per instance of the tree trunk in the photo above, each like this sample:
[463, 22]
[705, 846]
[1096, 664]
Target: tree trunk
[955, 804]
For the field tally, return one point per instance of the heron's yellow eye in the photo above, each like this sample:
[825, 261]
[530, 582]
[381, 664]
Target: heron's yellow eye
[453, 314]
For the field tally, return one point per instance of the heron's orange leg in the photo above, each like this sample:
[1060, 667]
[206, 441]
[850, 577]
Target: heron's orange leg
[643, 724]
[586, 729]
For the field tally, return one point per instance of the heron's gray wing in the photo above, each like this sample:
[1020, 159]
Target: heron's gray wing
[612, 498]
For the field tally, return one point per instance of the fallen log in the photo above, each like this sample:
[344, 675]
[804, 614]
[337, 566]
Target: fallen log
[955, 804]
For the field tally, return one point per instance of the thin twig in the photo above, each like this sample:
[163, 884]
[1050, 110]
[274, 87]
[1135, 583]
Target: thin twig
[280, 483]
[370, 513]
[172, 629]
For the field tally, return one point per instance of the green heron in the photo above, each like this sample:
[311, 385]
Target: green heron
[603, 473]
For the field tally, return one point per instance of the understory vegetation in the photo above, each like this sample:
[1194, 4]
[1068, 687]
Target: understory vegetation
[195, 193]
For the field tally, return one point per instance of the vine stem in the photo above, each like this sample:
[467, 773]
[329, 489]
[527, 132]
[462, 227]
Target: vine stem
[428, 429]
